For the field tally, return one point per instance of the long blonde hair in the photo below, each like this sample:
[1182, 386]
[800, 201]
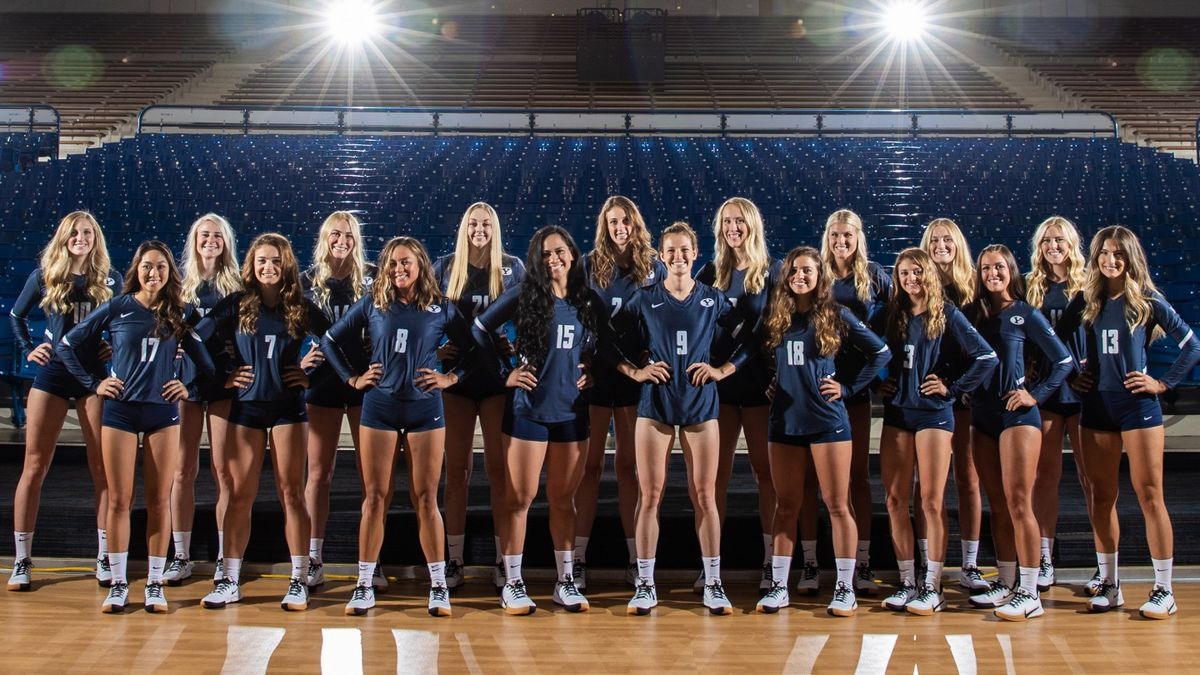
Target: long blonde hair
[460, 265]
[755, 247]
[426, 293]
[826, 322]
[56, 266]
[228, 278]
[961, 275]
[1138, 284]
[291, 293]
[321, 271]
[1038, 279]
[858, 267]
[603, 256]
[900, 306]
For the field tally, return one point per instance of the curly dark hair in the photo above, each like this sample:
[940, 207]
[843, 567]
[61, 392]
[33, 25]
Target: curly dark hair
[535, 304]
[168, 313]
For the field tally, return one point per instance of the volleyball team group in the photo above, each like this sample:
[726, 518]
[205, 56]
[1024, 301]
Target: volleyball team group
[980, 369]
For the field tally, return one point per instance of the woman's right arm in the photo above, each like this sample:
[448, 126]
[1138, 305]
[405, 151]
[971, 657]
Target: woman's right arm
[484, 332]
[30, 295]
[83, 336]
[347, 332]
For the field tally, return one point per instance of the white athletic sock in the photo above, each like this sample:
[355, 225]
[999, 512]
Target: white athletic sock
[768, 547]
[845, 571]
[631, 546]
[316, 550]
[220, 544]
[299, 566]
[712, 568]
[437, 573]
[455, 543]
[908, 572]
[923, 544]
[499, 553]
[780, 566]
[565, 562]
[512, 567]
[970, 552]
[933, 575]
[808, 547]
[1107, 562]
[119, 564]
[233, 570]
[1047, 547]
[155, 571]
[24, 544]
[645, 567]
[580, 551]
[101, 543]
[862, 556]
[183, 544]
[1008, 572]
[1162, 572]
[366, 571]
[1029, 580]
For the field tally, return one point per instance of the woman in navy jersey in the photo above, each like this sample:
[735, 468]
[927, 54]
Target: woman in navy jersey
[810, 425]
[1006, 427]
[1124, 313]
[622, 261]
[945, 243]
[545, 422]
[210, 272]
[742, 269]
[339, 276]
[861, 286]
[678, 320]
[72, 279]
[268, 324]
[472, 277]
[406, 319]
[918, 417]
[1056, 275]
[146, 326]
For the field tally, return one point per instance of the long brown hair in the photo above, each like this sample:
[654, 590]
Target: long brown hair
[426, 293]
[1016, 283]
[641, 251]
[168, 312]
[826, 322]
[900, 306]
[291, 292]
[1138, 284]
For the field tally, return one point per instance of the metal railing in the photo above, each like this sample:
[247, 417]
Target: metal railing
[40, 120]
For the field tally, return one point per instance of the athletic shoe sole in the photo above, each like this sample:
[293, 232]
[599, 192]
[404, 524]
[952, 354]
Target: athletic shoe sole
[519, 611]
[924, 612]
[293, 606]
[578, 607]
[842, 612]
[18, 588]
[439, 611]
[1158, 615]
[1020, 617]
[357, 611]
[156, 609]
[769, 609]
[720, 611]
[638, 611]
[112, 609]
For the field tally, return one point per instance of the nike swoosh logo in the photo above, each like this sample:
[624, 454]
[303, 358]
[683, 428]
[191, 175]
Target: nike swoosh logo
[941, 424]
[657, 306]
[437, 418]
[126, 314]
[174, 419]
[1147, 419]
[838, 431]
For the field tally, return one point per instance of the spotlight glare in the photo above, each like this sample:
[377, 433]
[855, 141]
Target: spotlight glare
[905, 20]
[352, 21]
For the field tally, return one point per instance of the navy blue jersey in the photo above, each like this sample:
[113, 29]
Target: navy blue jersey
[846, 293]
[57, 324]
[475, 297]
[916, 356]
[403, 339]
[621, 289]
[752, 378]
[1072, 334]
[1114, 350]
[681, 333]
[798, 407]
[142, 359]
[207, 297]
[268, 350]
[1007, 332]
[556, 398]
[338, 302]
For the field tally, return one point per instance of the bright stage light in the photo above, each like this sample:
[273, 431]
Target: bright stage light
[353, 21]
[905, 20]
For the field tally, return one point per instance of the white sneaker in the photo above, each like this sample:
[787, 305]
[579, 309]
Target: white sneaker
[178, 570]
[1093, 585]
[454, 574]
[775, 599]
[103, 572]
[118, 595]
[1107, 597]
[515, 599]
[998, 594]
[631, 575]
[227, 591]
[715, 600]
[645, 598]
[361, 600]
[1161, 604]
[1046, 576]
[698, 584]
[765, 581]
[864, 580]
[1021, 607]
[218, 571]
[971, 579]
[439, 600]
[927, 602]
[567, 596]
[379, 580]
[21, 575]
[498, 576]
[900, 598]
[579, 575]
[810, 579]
[155, 600]
[315, 576]
[844, 602]
[296, 598]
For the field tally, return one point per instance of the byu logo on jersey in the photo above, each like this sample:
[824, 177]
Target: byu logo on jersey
[707, 302]
[368, 281]
[1017, 320]
[650, 277]
[110, 281]
[506, 271]
[435, 308]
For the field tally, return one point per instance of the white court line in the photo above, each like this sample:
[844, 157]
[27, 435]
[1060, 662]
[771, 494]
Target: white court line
[248, 649]
[156, 650]
[1006, 647]
[875, 654]
[416, 651]
[962, 648]
[341, 651]
[804, 654]
[1069, 656]
[468, 653]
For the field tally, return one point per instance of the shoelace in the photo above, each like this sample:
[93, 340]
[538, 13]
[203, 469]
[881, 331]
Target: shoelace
[767, 571]
[313, 567]
[643, 591]
[1021, 595]
[438, 593]
[517, 589]
[102, 563]
[973, 573]
[776, 591]
[926, 595]
[296, 587]
[453, 569]
[841, 593]
[360, 593]
[1105, 588]
[999, 588]
[811, 571]
[568, 587]
[22, 567]
[225, 585]
[1158, 595]
[1044, 567]
[865, 573]
[176, 565]
[905, 591]
[716, 590]
[118, 589]
[154, 591]
[578, 570]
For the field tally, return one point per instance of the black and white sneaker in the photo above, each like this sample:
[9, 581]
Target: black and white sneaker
[218, 571]
[226, 592]
[928, 601]
[103, 572]
[454, 574]
[379, 580]
[515, 600]
[1161, 604]
[439, 600]
[177, 570]
[1046, 576]
[1092, 587]
[498, 577]
[998, 594]
[631, 574]
[844, 602]
[971, 579]
[155, 600]
[315, 575]
[361, 600]
[21, 575]
[118, 595]
[775, 599]
[1108, 597]
[864, 580]
[579, 574]
[715, 599]
[296, 598]
[899, 599]
[567, 596]
[765, 580]
[810, 579]
[1021, 607]
[645, 598]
